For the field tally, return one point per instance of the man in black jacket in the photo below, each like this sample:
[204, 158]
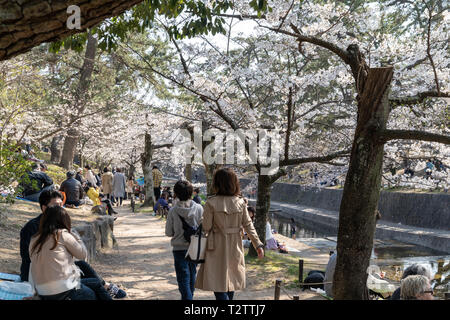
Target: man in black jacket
[39, 181]
[73, 190]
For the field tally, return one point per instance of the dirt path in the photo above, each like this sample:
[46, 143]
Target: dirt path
[143, 263]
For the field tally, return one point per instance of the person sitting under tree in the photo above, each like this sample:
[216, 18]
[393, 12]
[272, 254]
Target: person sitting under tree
[47, 199]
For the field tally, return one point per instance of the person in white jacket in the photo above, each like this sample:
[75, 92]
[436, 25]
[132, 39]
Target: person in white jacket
[89, 176]
[53, 251]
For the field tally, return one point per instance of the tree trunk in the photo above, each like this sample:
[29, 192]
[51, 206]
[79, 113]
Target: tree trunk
[55, 149]
[146, 159]
[131, 170]
[209, 172]
[26, 24]
[70, 144]
[188, 172]
[72, 136]
[362, 188]
[262, 209]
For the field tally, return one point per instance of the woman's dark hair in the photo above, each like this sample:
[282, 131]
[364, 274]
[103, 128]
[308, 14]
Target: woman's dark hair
[251, 209]
[226, 183]
[54, 218]
[197, 190]
[105, 169]
[118, 170]
[87, 167]
[47, 195]
[183, 190]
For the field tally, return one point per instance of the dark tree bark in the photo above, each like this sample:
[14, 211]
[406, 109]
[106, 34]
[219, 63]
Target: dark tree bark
[146, 159]
[26, 24]
[68, 152]
[72, 137]
[362, 187]
[262, 209]
[188, 172]
[55, 149]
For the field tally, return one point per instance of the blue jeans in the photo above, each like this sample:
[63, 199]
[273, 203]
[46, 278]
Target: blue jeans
[35, 196]
[87, 271]
[224, 295]
[186, 272]
[97, 287]
[84, 293]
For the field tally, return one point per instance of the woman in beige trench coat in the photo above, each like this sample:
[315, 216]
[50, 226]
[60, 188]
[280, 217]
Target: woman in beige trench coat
[107, 181]
[223, 217]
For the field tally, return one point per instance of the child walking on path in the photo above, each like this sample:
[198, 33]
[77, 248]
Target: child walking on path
[192, 213]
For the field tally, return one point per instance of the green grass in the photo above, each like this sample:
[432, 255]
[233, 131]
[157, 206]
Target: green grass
[274, 266]
[57, 173]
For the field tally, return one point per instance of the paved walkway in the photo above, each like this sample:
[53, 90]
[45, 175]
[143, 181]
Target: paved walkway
[143, 262]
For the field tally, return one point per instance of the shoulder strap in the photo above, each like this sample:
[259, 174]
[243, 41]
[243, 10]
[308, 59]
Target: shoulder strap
[185, 224]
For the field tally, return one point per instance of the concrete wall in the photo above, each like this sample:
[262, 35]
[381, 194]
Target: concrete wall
[97, 234]
[424, 210]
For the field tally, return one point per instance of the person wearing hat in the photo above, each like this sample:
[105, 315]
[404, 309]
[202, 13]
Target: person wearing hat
[73, 190]
[79, 176]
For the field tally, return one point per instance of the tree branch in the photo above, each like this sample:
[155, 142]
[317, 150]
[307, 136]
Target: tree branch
[387, 135]
[418, 98]
[327, 158]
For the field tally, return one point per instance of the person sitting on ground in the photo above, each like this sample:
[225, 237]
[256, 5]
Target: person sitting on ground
[271, 243]
[192, 214]
[52, 252]
[416, 287]
[93, 194]
[170, 197]
[96, 198]
[414, 269]
[79, 176]
[38, 182]
[196, 196]
[73, 190]
[162, 203]
[47, 199]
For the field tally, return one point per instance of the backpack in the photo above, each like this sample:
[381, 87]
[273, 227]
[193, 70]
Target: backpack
[188, 230]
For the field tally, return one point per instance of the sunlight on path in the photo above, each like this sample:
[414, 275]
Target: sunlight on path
[143, 262]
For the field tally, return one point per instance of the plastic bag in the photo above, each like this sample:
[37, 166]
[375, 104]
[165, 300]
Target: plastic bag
[15, 290]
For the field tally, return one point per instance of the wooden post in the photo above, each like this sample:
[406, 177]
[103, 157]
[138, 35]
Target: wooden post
[277, 289]
[296, 298]
[300, 272]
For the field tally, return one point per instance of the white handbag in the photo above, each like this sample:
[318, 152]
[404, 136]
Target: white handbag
[197, 247]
